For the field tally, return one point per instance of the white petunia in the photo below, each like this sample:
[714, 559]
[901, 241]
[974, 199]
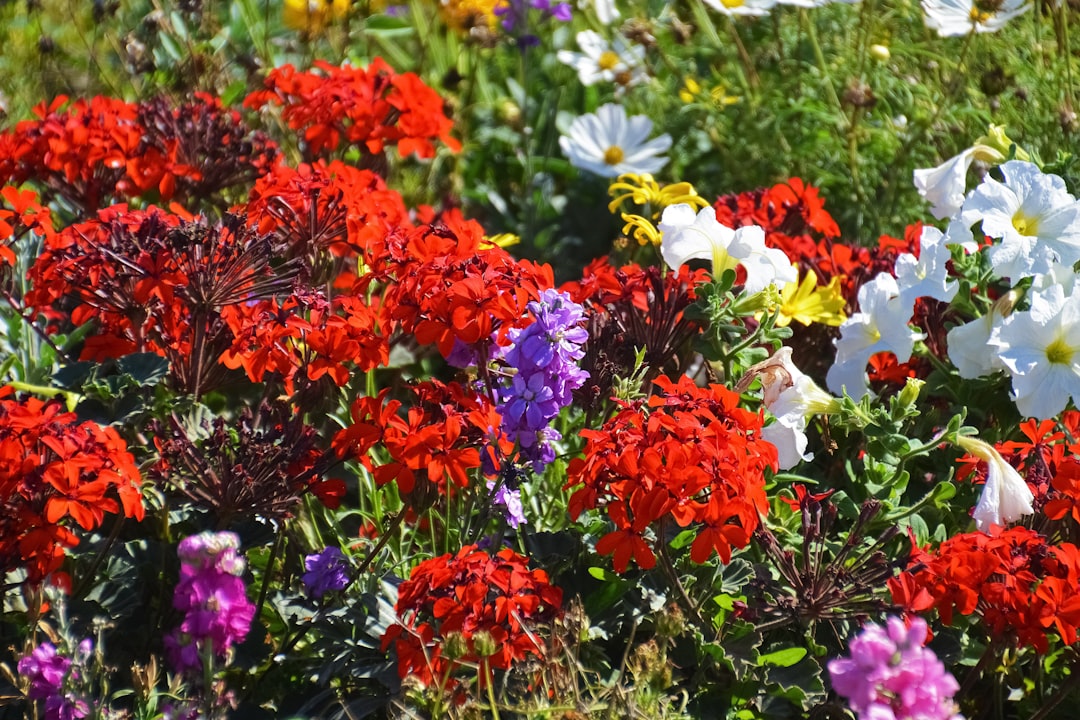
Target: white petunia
[968, 349]
[688, 236]
[1033, 215]
[944, 186]
[880, 325]
[1005, 497]
[610, 144]
[601, 61]
[953, 18]
[1041, 350]
[927, 275]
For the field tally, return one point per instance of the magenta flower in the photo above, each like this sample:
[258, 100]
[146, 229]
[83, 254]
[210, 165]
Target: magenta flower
[48, 671]
[891, 676]
[217, 612]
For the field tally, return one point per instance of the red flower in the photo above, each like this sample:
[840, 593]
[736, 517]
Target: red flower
[469, 593]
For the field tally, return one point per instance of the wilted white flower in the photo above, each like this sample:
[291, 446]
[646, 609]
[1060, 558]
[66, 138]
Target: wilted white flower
[1005, 497]
[603, 61]
[952, 18]
[610, 144]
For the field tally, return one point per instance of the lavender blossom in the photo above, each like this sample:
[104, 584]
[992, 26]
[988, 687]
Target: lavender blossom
[217, 612]
[891, 676]
[510, 500]
[545, 358]
[516, 21]
[327, 571]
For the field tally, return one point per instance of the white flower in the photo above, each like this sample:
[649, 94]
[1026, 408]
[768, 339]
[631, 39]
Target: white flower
[610, 144]
[601, 61]
[952, 18]
[944, 186]
[788, 436]
[880, 325]
[928, 275]
[742, 7]
[686, 237]
[1041, 350]
[1035, 217]
[968, 347]
[606, 12]
[1005, 497]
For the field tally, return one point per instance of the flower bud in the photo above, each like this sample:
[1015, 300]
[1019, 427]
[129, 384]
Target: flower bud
[455, 646]
[879, 53]
[910, 394]
[484, 644]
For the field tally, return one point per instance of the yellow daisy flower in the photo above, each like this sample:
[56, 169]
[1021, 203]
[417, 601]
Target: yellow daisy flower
[805, 302]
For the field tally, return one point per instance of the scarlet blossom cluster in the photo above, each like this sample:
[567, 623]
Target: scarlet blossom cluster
[369, 108]
[490, 606]
[54, 677]
[20, 213]
[451, 289]
[56, 473]
[217, 612]
[1019, 584]
[543, 358]
[689, 456]
[892, 676]
[433, 447]
[91, 153]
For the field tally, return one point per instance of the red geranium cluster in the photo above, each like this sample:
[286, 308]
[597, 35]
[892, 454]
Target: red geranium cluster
[690, 456]
[449, 288]
[469, 593]
[436, 441]
[55, 471]
[1017, 582]
[97, 151]
[367, 107]
[25, 215]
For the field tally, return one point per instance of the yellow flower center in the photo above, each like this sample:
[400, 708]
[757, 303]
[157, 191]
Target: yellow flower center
[1059, 352]
[1025, 225]
[613, 155]
[608, 60]
[732, 3]
[979, 16]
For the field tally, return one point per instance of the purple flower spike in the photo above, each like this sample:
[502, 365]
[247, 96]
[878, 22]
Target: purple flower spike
[327, 571]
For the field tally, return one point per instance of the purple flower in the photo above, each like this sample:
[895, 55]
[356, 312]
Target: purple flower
[327, 571]
[211, 594]
[510, 499]
[48, 671]
[891, 676]
[544, 356]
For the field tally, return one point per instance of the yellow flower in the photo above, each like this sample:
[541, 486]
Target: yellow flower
[645, 191]
[465, 14]
[312, 16]
[502, 240]
[692, 92]
[641, 230]
[807, 303]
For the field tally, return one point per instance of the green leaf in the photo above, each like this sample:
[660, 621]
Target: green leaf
[783, 658]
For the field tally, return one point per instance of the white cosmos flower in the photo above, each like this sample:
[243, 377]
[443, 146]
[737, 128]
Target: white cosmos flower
[688, 236]
[1005, 497]
[1033, 215]
[610, 144]
[1041, 350]
[601, 61]
[927, 275]
[952, 18]
[606, 12]
[742, 7]
[880, 325]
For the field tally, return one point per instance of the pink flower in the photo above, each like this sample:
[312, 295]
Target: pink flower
[891, 676]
